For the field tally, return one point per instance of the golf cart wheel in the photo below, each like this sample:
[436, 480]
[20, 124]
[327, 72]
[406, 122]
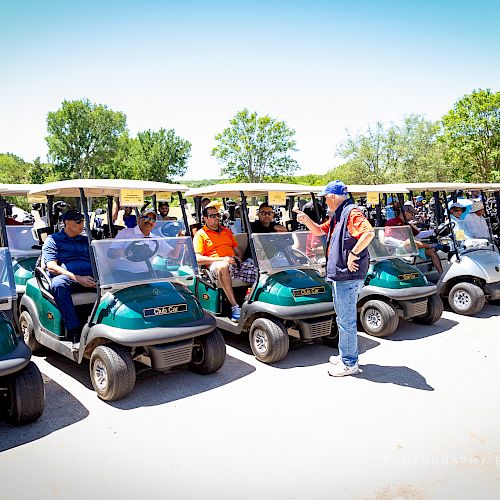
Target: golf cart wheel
[28, 332]
[379, 318]
[434, 311]
[26, 396]
[268, 340]
[332, 340]
[112, 372]
[466, 298]
[209, 353]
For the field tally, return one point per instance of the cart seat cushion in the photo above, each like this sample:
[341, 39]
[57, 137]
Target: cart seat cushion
[82, 298]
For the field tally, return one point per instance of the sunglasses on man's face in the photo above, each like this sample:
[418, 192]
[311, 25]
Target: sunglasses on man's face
[147, 218]
[214, 216]
[266, 212]
[78, 221]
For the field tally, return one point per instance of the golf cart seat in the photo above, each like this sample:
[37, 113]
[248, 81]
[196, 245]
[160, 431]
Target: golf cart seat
[44, 284]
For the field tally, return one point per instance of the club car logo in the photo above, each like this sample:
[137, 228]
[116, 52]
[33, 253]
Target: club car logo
[160, 311]
[408, 276]
[304, 292]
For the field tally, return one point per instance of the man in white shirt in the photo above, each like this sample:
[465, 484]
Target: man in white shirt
[127, 263]
[475, 224]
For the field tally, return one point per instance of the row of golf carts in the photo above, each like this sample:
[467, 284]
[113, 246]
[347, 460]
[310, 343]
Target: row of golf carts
[153, 307]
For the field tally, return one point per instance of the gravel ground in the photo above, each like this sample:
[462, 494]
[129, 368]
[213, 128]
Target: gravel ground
[420, 421]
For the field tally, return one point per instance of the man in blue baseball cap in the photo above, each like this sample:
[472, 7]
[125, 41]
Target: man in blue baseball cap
[349, 234]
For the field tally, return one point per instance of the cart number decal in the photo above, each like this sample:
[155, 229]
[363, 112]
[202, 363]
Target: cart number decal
[160, 311]
[409, 276]
[303, 292]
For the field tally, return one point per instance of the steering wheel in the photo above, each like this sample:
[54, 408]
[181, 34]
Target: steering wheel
[444, 229]
[139, 251]
[299, 256]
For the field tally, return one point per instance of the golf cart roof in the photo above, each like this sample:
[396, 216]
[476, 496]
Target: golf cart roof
[438, 186]
[367, 188]
[250, 189]
[105, 187]
[17, 189]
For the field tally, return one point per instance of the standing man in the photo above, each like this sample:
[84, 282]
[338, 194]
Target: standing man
[349, 234]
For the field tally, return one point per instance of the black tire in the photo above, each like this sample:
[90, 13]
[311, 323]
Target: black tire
[379, 318]
[112, 372]
[28, 332]
[269, 340]
[332, 340]
[26, 396]
[434, 311]
[466, 298]
[209, 353]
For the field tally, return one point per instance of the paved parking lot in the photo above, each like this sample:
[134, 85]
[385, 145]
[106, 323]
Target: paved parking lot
[422, 420]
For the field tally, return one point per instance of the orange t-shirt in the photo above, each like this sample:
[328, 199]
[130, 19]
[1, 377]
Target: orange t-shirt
[357, 224]
[210, 243]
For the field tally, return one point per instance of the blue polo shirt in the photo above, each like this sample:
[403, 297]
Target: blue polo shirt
[70, 253]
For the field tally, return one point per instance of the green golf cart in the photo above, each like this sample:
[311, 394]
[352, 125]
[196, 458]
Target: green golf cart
[290, 297]
[22, 393]
[141, 311]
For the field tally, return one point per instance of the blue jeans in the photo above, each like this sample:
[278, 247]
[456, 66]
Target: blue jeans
[345, 298]
[62, 288]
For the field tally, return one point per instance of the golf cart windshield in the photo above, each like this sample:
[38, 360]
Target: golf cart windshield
[7, 284]
[22, 242]
[168, 228]
[144, 260]
[392, 242]
[279, 251]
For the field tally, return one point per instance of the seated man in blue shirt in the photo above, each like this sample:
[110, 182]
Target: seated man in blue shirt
[66, 256]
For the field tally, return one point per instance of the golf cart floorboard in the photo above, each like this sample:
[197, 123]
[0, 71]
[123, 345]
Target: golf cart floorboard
[225, 323]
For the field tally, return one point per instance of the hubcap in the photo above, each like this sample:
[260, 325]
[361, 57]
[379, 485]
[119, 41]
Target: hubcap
[100, 375]
[461, 299]
[373, 318]
[261, 342]
[25, 331]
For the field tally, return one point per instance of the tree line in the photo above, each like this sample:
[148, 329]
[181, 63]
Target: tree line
[88, 140]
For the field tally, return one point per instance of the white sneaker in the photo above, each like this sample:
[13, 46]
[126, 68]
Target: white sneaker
[335, 360]
[341, 370]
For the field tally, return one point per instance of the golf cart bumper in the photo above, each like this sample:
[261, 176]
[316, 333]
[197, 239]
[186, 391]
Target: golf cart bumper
[15, 360]
[492, 290]
[292, 313]
[153, 336]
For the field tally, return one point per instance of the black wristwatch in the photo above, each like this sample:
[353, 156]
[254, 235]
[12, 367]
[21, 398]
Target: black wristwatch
[355, 254]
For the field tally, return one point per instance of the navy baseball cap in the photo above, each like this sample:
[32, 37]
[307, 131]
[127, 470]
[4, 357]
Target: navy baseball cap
[72, 215]
[334, 187]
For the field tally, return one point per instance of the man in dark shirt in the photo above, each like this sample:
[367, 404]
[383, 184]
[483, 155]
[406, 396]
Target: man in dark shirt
[264, 223]
[66, 256]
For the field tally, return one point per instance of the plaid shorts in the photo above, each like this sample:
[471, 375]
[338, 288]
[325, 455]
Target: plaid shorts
[244, 271]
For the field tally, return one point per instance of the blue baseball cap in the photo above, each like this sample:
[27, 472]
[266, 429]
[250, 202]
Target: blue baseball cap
[72, 214]
[334, 187]
[419, 198]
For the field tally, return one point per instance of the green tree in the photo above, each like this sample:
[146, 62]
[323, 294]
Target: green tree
[83, 136]
[471, 132]
[256, 149]
[13, 169]
[39, 172]
[164, 155]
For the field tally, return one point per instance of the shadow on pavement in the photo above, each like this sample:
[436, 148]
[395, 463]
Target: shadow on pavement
[156, 388]
[61, 410]
[408, 330]
[397, 375]
[489, 311]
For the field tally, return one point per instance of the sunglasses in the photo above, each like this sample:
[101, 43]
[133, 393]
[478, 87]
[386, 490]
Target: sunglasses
[78, 221]
[266, 212]
[214, 216]
[147, 218]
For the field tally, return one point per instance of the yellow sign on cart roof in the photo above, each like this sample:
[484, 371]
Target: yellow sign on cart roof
[131, 197]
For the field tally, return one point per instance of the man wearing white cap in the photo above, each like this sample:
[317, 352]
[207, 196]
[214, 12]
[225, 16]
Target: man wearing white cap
[475, 224]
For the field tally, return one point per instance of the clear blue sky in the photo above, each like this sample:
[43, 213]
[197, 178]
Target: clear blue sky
[321, 66]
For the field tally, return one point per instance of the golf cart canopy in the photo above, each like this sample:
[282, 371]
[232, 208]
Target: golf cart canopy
[438, 186]
[17, 189]
[94, 188]
[363, 189]
[249, 189]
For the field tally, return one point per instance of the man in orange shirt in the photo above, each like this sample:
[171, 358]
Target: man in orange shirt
[217, 248]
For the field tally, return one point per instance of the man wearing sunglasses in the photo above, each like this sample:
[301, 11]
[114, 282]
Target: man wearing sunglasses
[216, 247]
[66, 256]
[264, 223]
